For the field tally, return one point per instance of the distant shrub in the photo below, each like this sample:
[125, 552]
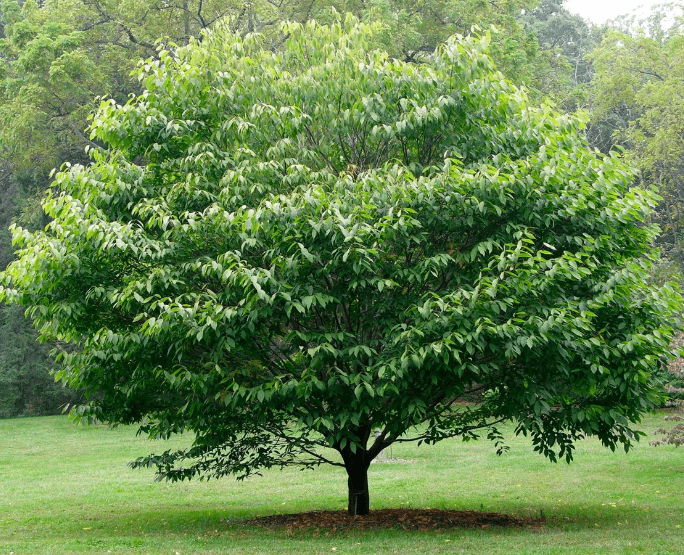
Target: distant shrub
[673, 381]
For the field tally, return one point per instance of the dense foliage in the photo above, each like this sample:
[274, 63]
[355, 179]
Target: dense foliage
[283, 251]
[639, 74]
[673, 378]
[58, 57]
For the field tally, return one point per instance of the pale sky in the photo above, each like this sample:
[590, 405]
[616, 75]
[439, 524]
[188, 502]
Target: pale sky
[598, 11]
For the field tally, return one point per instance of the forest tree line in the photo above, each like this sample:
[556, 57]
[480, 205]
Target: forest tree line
[61, 57]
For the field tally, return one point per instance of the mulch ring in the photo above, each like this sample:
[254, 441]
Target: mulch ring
[407, 519]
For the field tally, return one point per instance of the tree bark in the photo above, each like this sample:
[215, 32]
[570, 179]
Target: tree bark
[357, 482]
[186, 20]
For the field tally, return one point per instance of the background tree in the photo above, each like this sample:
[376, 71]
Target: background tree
[411, 30]
[26, 386]
[638, 86]
[565, 39]
[282, 251]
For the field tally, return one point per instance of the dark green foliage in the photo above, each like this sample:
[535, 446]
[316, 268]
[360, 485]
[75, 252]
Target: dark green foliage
[26, 385]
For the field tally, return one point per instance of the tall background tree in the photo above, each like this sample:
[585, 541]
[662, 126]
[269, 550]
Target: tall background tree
[565, 39]
[638, 85]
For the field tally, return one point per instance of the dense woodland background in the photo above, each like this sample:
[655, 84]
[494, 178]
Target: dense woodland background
[58, 58]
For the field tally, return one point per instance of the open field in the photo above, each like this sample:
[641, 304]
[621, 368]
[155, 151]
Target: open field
[67, 489]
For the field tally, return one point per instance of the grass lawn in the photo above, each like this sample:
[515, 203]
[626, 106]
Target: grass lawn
[67, 490]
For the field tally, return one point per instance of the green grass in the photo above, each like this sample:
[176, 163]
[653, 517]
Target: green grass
[67, 490]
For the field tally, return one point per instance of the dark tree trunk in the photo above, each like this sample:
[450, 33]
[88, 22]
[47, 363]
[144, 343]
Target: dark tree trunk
[359, 499]
[356, 463]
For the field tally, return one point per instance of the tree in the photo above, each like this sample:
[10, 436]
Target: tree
[283, 251]
[567, 39]
[638, 86]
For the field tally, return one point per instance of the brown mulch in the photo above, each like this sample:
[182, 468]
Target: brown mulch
[407, 519]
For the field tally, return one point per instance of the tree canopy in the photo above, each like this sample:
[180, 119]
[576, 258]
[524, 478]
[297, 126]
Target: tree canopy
[282, 251]
[60, 56]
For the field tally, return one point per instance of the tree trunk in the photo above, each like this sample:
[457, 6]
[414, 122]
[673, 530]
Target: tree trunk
[186, 20]
[357, 482]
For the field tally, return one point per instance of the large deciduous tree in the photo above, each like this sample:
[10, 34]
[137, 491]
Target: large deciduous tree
[285, 251]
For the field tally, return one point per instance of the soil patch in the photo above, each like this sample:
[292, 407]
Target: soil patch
[407, 519]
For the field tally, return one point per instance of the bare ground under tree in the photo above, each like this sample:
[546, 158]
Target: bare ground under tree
[408, 519]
